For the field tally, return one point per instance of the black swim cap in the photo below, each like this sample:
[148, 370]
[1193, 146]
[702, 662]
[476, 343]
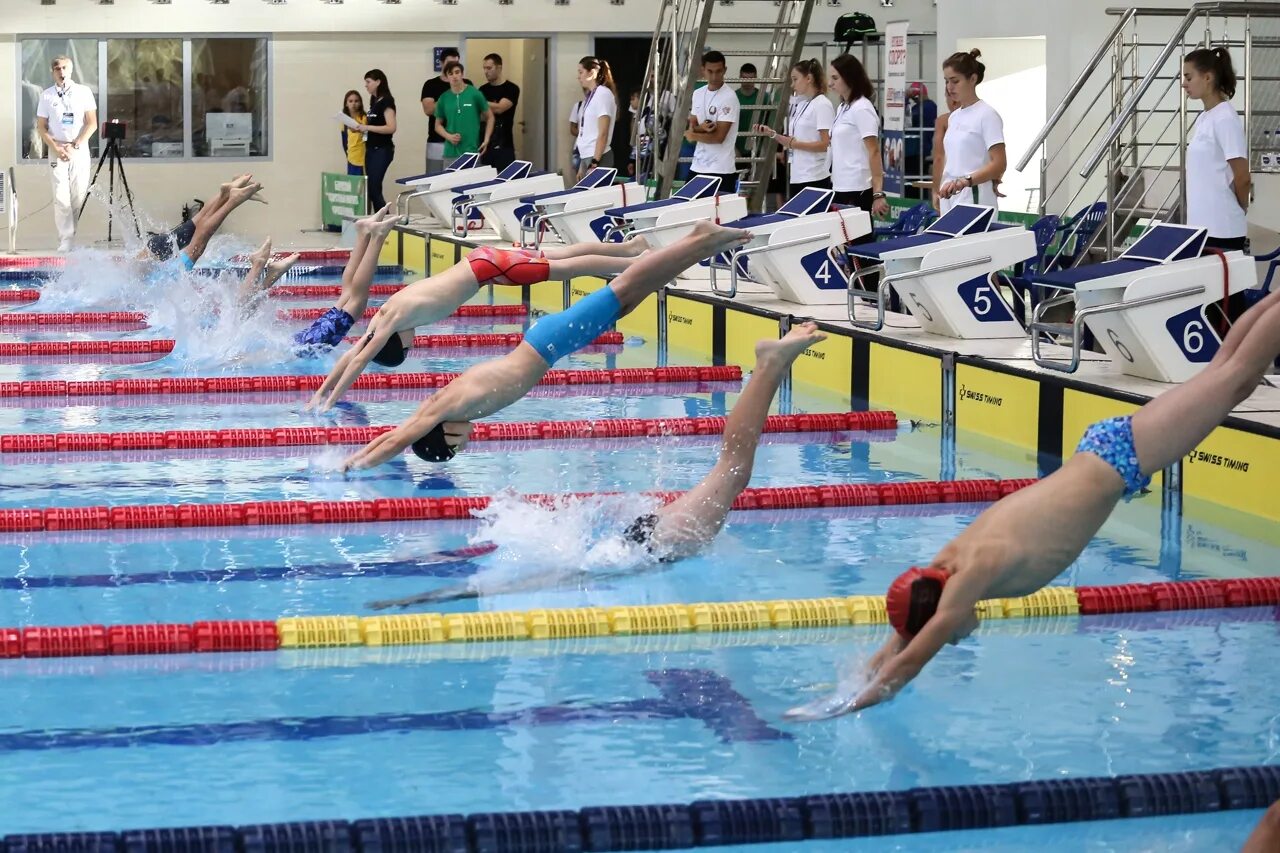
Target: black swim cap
[434, 447]
[392, 353]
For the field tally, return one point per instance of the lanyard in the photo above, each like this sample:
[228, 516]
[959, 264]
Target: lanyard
[586, 102]
[795, 117]
[62, 96]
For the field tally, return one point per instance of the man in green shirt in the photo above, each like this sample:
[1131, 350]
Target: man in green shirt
[749, 96]
[458, 113]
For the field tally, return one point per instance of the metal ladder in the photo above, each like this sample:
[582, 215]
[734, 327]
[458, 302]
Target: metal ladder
[675, 67]
[1119, 136]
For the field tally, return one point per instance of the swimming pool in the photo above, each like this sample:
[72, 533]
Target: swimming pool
[108, 743]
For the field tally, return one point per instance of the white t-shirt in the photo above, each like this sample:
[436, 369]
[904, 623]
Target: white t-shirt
[65, 110]
[1211, 203]
[575, 113]
[807, 117]
[600, 102]
[971, 131]
[716, 158]
[850, 165]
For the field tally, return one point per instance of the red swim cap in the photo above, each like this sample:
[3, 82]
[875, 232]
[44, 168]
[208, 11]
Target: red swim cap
[918, 88]
[913, 599]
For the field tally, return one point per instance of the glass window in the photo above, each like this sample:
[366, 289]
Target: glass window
[144, 89]
[228, 97]
[37, 59]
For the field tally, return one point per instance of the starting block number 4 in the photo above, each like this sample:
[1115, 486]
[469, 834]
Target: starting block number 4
[822, 272]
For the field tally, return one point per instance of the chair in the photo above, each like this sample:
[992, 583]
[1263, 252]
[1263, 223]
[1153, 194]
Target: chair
[909, 222]
[1077, 231]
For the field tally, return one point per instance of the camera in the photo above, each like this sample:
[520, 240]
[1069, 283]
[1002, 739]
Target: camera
[114, 129]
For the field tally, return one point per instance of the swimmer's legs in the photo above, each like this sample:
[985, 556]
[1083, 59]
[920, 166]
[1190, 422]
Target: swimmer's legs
[249, 287]
[1170, 426]
[628, 249]
[371, 233]
[694, 519]
[210, 223]
[653, 270]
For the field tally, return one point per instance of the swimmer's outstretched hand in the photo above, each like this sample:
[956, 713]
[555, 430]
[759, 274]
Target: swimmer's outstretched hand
[387, 446]
[854, 697]
[353, 362]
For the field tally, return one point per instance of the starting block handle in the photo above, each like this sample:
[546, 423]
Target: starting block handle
[882, 292]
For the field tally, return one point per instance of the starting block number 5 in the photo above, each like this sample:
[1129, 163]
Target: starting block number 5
[984, 302]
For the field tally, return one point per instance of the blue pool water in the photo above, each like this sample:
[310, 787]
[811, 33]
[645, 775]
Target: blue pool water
[112, 743]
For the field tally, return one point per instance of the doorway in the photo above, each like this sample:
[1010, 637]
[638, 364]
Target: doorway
[524, 62]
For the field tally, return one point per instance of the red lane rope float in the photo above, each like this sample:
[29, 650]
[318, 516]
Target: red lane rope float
[484, 431]
[242, 635]
[308, 314]
[81, 318]
[161, 346]
[324, 291]
[288, 291]
[32, 262]
[421, 509]
[290, 383]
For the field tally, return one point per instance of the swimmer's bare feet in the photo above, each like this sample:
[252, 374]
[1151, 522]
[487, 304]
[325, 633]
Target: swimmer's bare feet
[263, 254]
[787, 349]
[718, 238]
[637, 245]
[367, 224]
[240, 194]
[276, 269]
[380, 228]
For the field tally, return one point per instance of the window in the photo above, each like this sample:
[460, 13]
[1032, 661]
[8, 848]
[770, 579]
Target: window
[144, 90]
[179, 97]
[229, 97]
[36, 76]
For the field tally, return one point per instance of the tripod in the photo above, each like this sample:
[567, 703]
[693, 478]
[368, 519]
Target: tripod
[111, 156]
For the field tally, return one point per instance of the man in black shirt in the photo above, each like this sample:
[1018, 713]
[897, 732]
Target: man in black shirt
[502, 95]
[431, 91]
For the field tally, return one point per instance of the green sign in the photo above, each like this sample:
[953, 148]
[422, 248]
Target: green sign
[340, 195]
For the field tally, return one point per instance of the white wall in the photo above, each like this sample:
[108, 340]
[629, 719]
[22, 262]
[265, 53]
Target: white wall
[320, 51]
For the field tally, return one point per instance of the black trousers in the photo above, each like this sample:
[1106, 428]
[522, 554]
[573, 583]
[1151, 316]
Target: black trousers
[862, 199]
[498, 158]
[376, 163]
[728, 182]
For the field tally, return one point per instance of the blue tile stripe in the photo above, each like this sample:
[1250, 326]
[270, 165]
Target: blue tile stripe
[708, 823]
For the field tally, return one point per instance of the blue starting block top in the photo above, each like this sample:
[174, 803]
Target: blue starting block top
[959, 221]
[516, 171]
[601, 176]
[1161, 244]
[466, 161]
[695, 188]
[808, 200]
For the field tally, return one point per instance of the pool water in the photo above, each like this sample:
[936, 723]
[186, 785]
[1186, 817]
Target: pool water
[126, 742]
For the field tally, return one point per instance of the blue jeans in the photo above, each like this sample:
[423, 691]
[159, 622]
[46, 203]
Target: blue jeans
[376, 163]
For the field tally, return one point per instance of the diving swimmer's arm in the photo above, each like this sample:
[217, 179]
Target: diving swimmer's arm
[353, 362]
[906, 664]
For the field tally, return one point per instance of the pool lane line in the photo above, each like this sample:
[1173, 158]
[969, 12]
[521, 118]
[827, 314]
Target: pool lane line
[284, 291]
[710, 823]
[289, 383]
[295, 632]
[300, 512]
[163, 346]
[96, 318]
[481, 431]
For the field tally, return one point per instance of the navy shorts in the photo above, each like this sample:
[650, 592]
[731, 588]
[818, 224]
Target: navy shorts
[328, 330]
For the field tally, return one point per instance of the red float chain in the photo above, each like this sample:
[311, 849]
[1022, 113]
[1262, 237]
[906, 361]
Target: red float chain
[411, 509]
[284, 291]
[240, 635]
[25, 294]
[161, 346]
[80, 318]
[483, 431]
[290, 383]
[33, 262]
[308, 314]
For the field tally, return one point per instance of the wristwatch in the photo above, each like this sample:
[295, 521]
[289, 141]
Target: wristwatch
[593, 162]
[877, 195]
[968, 179]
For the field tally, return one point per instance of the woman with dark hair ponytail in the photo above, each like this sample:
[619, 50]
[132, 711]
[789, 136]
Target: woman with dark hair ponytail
[973, 147]
[379, 127]
[599, 111]
[1218, 180]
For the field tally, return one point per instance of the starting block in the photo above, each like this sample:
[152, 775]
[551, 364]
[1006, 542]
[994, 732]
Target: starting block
[947, 275]
[1146, 308]
[664, 222]
[498, 201]
[576, 215]
[791, 249]
[437, 190]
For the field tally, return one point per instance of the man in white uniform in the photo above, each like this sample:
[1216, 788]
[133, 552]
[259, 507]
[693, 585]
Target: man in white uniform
[66, 120]
[713, 125]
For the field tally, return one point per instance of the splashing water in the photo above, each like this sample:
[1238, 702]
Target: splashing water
[567, 542]
[851, 680]
[214, 331]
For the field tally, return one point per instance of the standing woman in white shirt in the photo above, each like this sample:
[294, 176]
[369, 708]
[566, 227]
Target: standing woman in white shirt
[66, 120]
[857, 172]
[1218, 178]
[808, 137]
[599, 111]
[974, 141]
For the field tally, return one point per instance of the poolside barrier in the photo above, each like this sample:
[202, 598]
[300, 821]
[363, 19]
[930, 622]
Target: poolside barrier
[162, 346]
[283, 291]
[707, 823]
[291, 382]
[108, 318]
[482, 431]
[313, 632]
[423, 509]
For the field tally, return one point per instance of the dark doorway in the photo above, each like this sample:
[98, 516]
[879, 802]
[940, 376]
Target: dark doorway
[627, 57]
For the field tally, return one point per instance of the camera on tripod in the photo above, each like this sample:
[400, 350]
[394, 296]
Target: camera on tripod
[114, 129]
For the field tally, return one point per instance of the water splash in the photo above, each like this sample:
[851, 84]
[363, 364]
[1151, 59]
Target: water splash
[567, 542]
[851, 680]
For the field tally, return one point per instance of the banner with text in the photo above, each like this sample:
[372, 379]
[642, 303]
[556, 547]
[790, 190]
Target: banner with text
[892, 147]
[340, 196]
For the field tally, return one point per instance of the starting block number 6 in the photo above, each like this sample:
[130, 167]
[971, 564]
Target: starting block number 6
[1193, 335]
